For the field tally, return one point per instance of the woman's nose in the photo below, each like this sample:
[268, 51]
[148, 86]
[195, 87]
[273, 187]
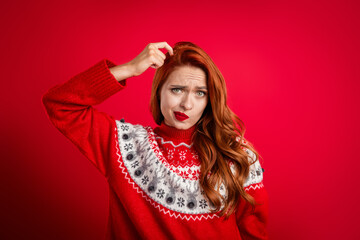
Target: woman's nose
[187, 102]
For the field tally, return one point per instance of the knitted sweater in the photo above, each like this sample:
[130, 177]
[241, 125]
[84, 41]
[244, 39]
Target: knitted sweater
[153, 174]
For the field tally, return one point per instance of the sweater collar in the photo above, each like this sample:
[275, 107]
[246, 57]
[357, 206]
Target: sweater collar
[174, 133]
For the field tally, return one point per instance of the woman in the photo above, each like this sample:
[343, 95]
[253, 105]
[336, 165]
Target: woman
[192, 177]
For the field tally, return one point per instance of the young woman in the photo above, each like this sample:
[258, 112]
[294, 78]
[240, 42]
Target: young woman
[194, 176]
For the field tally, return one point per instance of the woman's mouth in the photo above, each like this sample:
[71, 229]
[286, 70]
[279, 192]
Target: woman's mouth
[180, 116]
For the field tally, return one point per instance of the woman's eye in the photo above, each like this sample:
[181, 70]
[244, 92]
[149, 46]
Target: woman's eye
[201, 94]
[176, 90]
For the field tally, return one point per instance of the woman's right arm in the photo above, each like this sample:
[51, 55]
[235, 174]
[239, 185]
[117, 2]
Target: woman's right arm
[69, 105]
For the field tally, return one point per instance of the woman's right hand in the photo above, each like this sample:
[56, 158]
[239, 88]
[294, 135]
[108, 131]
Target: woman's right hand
[151, 56]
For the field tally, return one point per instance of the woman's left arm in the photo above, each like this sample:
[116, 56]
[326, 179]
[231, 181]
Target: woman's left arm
[252, 223]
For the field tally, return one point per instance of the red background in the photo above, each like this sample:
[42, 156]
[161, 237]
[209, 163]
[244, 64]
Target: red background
[292, 75]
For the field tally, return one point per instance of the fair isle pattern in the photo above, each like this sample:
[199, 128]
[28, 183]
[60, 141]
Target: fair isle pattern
[187, 153]
[168, 192]
[155, 204]
[255, 172]
[188, 172]
[154, 180]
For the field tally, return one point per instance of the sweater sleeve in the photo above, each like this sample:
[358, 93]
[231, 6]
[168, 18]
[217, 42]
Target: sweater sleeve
[252, 223]
[69, 108]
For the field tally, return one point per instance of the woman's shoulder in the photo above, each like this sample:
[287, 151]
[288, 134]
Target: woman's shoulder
[134, 133]
[255, 169]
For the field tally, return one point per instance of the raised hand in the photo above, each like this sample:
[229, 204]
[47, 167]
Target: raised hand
[151, 56]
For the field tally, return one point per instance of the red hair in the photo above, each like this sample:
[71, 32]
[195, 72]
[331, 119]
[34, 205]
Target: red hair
[219, 136]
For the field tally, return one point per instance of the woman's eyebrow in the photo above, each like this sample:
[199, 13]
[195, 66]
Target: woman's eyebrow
[181, 86]
[203, 87]
[178, 86]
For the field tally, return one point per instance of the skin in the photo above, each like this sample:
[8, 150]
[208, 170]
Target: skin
[184, 91]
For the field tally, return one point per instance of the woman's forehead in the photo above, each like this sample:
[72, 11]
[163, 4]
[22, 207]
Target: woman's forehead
[186, 75]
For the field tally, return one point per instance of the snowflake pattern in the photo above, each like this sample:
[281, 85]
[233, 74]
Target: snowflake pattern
[135, 164]
[125, 127]
[145, 180]
[160, 193]
[202, 203]
[258, 171]
[181, 202]
[170, 154]
[195, 155]
[128, 146]
[182, 155]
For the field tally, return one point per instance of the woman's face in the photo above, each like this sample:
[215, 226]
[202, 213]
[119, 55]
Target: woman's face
[183, 97]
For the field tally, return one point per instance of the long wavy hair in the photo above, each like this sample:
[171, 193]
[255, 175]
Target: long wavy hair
[219, 135]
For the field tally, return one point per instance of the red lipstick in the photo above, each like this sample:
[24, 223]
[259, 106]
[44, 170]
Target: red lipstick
[181, 116]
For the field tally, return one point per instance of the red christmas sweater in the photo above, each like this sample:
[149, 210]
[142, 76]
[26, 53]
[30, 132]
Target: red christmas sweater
[152, 173]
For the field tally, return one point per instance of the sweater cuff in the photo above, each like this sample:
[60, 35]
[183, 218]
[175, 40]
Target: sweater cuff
[102, 82]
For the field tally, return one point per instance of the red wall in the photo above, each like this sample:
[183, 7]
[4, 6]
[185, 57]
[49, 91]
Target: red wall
[292, 75]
